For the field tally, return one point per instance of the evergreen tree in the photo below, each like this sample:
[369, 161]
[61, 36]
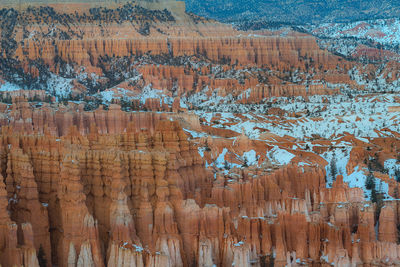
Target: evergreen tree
[379, 204]
[47, 99]
[36, 98]
[374, 195]
[377, 198]
[370, 182]
[397, 175]
[245, 162]
[270, 261]
[333, 167]
[226, 165]
[41, 256]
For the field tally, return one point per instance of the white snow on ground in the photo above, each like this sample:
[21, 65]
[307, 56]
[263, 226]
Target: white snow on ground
[8, 87]
[339, 155]
[357, 178]
[201, 151]
[182, 104]
[361, 116]
[238, 244]
[280, 156]
[379, 84]
[220, 161]
[149, 92]
[207, 116]
[391, 165]
[202, 100]
[116, 93]
[107, 95]
[385, 31]
[325, 258]
[365, 140]
[59, 87]
[194, 133]
[248, 128]
[250, 157]
[227, 116]
[364, 116]
[138, 248]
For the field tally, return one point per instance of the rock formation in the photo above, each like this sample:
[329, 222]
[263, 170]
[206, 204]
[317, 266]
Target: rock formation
[135, 192]
[159, 138]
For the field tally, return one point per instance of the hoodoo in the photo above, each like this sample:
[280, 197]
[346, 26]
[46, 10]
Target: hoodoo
[137, 134]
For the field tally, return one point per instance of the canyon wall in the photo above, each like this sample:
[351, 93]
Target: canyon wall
[84, 182]
[279, 52]
[129, 189]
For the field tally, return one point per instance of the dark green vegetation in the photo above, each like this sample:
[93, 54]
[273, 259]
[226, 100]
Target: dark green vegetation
[294, 11]
[129, 12]
[13, 70]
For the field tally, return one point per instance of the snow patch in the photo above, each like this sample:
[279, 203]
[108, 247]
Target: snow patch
[280, 156]
[391, 165]
[250, 157]
[8, 87]
[59, 87]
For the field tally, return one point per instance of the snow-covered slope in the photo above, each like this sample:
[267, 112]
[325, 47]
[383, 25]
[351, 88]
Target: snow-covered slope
[383, 31]
[368, 40]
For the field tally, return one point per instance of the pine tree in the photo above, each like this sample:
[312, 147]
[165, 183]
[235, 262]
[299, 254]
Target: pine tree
[226, 165]
[379, 204]
[377, 198]
[370, 182]
[270, 261]
[41, 256]
[374, 197]
[333, 167]
[397, 175]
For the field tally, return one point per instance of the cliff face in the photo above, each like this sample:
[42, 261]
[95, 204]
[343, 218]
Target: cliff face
[146, 136]
[134, 47]
[100, 197]
[279, 52]
[177, 7]
[130, 189]
[235, 55]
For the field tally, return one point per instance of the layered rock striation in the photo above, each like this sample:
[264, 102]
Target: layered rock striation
[137, 193]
